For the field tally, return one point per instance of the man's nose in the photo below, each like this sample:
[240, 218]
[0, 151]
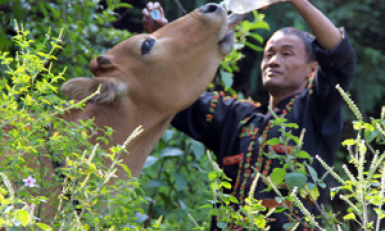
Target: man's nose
[274, 61]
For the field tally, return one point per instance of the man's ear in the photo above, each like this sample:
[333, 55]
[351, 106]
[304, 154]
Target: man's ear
[80, 88]
[313, 66]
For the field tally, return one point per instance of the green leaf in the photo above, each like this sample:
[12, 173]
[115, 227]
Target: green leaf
[215, 186]
[312, 173]
[259, 25]
[295, 180]
[167, 135]
[198, 149]
[350, 216]
[43, 9]
[310, 186]
[279, 210]
[357, 125]
[303, 155]
[180, 181]
[212, 175]
[380, 212]
[288, 226]
[370, 135]
[292, 125]
[206, 206]
[226, 185]
[256, 36]
[23, 216]
[279, 121]
[183, 205]
[140, 218]
[150, 161]
[227, 79]
[254, 47]
[123, 5]
[348, 142]
[169, 152]
[273, 141]
[234, 200]
[44, 226]
[277, 176]
[155, 184]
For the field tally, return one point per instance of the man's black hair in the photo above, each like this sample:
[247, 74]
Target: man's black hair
[307, 39]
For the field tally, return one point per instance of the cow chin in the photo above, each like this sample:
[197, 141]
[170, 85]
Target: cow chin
[226, 45]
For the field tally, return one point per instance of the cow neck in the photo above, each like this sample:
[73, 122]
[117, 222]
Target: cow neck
[116, 115]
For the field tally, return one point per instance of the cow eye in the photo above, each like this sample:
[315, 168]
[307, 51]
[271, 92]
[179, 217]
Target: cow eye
[147, 45]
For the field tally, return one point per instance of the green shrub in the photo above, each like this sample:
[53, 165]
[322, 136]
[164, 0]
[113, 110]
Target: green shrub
[34, 135]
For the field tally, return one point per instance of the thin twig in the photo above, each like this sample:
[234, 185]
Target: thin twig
[182, 10]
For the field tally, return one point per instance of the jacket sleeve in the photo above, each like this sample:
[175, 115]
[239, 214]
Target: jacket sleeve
[209, 116]
[335, 67]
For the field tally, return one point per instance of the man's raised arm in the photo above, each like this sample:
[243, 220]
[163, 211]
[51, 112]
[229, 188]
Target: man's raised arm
[328, 36]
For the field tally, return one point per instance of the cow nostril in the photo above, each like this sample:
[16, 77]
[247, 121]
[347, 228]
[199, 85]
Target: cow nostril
[210, 8]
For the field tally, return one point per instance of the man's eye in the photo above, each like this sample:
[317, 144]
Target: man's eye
[147, 46]
[286, 53]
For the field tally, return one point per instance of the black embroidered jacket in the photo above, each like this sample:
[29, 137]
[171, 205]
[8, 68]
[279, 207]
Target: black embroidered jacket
[236, 130]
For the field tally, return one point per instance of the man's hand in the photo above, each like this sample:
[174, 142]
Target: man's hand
[272, 2]
[149, 23]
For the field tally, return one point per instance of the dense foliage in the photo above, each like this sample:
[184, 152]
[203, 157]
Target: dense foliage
[176, 179]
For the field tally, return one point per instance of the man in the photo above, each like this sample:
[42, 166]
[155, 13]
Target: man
[237, 132]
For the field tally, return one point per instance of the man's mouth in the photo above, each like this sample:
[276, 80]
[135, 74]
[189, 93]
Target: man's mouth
[272, 72]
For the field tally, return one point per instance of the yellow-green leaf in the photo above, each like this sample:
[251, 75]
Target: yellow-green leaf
[44, 226]
[350, 216]
[226, 185]
[23, 216]
[42, 54]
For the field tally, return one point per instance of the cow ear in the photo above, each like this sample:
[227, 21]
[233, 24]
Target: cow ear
[80, 88]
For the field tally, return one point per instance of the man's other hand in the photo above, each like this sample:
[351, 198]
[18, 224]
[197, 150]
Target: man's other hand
[149, 23]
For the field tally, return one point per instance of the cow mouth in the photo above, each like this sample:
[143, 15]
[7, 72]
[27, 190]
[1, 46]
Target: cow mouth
[227, 42]
[232, 21]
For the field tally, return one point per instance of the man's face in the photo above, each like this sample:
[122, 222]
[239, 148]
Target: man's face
[284, 65]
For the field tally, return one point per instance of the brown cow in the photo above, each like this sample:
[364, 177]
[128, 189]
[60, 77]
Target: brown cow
[148, 78]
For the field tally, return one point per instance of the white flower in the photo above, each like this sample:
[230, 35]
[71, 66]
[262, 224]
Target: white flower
[29, 181]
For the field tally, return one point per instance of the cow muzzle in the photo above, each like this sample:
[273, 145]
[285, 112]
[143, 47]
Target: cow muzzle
[226, 43]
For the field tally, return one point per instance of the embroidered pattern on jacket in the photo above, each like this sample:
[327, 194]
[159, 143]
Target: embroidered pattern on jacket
[259, 162]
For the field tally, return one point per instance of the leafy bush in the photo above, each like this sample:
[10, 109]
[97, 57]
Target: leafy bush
[86, 25]
[363, 194]
[35, 138]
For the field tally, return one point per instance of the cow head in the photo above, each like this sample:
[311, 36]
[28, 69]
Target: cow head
[167, 70]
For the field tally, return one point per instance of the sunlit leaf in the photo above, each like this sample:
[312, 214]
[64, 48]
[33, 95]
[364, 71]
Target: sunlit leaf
[23, 216]
[349, 216]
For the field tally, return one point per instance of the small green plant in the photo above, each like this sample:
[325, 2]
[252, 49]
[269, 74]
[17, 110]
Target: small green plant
[364, 193]
[222, 206]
